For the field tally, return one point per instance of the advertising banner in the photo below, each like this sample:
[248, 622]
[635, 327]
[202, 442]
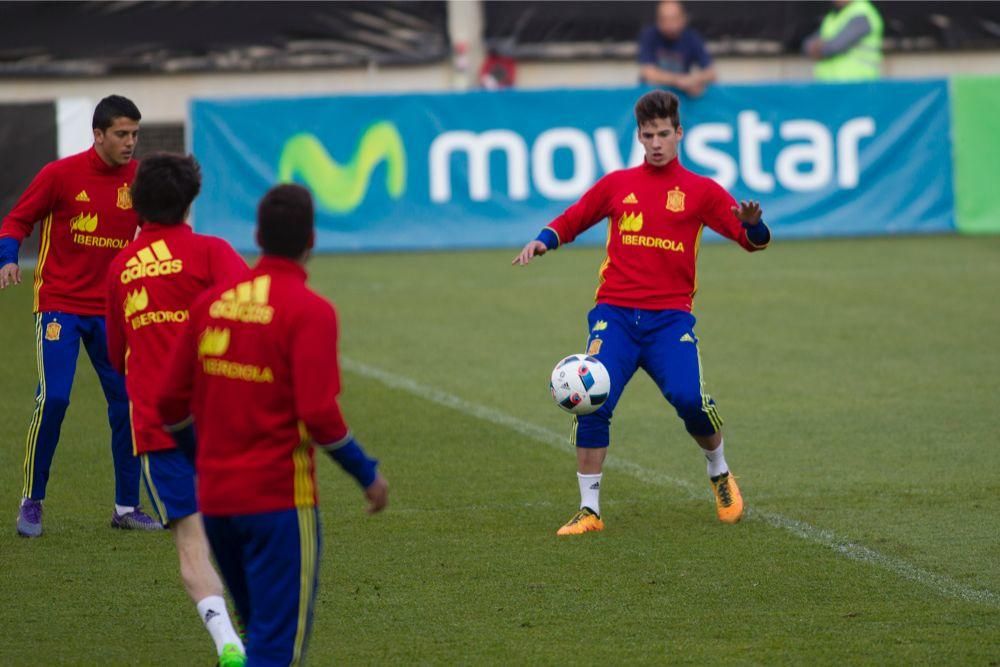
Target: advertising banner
[486, 169]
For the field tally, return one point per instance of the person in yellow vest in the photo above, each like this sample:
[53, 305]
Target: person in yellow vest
[848, 44]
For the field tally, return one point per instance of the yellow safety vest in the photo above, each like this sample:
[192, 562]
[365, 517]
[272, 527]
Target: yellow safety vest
[864, 59]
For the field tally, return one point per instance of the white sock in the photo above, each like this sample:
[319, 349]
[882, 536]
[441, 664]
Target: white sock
[590, 491]
[716, 461]
[123, 509]
[216, 618]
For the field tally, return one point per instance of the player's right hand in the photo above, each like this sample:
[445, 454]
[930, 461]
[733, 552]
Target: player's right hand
[10, 274]
[377, 494]
[533, 248]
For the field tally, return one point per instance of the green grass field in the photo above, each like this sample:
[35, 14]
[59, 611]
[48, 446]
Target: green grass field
[859, 381]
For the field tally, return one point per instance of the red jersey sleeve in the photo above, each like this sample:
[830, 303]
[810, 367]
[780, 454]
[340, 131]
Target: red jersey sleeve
[316, 374]
[224, 263]
[114, 322]
[174, 402]
[717, 214]
[591, 208]
[35, 203]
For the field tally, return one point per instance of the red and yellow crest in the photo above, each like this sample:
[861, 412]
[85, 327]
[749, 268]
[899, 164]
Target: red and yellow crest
[124, 197]
[52, 331]
[675, 200]
[595, 346]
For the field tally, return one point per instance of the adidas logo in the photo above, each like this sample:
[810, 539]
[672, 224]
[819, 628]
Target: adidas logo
[687, 338]
[151, 262]
[600, 326]
[210, 614]
[83, 196]
[630, 199]
[136, 301]
[213, 342]
[596, 486]
[247, 302]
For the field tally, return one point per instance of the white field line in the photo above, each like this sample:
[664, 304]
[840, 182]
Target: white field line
[940, 584]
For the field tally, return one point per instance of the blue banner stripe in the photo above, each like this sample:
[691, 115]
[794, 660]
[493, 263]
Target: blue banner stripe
[464, 170]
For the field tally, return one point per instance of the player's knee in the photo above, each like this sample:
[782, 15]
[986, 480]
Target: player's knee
[593, 430]
[687, 404]
[54, 407]
[701, 426]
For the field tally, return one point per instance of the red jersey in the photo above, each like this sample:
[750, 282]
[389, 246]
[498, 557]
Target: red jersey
[655, 219]
[257, 367]
[85, 207]
[150, 287]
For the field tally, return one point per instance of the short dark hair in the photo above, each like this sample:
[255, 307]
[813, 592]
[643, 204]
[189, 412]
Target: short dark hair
[658, 104]
[111, 107]
[285, 221]
[164, 187]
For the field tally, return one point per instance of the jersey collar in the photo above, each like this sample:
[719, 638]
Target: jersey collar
[100, 165]
[669, 168]
[275, 264]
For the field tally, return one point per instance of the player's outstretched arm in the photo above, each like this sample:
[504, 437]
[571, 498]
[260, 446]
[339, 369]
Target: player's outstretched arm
[528, 252]
[10, 275]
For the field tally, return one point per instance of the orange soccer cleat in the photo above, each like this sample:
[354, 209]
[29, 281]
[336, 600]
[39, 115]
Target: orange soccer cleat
[583, 521]
[728, 501]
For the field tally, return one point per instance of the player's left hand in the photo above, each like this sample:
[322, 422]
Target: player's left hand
[532, 249]
[377, 494]
[748, 212]
[10, 274]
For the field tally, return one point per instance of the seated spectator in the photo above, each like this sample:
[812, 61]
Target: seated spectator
[848, 44]
[672, 54]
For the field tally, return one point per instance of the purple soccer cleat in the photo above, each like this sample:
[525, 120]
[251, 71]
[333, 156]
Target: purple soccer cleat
[29, 518]
[134, 520]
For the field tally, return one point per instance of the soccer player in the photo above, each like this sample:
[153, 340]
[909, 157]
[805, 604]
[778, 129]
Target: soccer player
[643, 318]
[151, 283]
[256, 372]
[85, 207]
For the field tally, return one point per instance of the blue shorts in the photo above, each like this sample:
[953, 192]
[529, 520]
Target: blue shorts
[169, 478]
[661, 342]
[270, 563]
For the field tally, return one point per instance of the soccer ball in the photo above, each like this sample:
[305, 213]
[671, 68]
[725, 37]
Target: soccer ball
[580, 384]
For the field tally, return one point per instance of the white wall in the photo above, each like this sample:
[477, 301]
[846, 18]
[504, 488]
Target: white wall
[163, 97]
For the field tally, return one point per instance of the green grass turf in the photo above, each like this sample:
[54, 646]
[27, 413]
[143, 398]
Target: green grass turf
[859, 382]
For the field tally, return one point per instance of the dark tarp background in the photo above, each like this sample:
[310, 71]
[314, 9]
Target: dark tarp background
[101, 37]
[28, 137]
[95, 38]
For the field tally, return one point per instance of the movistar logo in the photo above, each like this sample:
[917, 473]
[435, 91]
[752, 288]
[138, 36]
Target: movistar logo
[341, 188]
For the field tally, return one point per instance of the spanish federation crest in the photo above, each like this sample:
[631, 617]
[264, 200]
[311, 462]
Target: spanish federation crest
[52, 331]
[595, 346]
[124, 197]
[675, 200]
